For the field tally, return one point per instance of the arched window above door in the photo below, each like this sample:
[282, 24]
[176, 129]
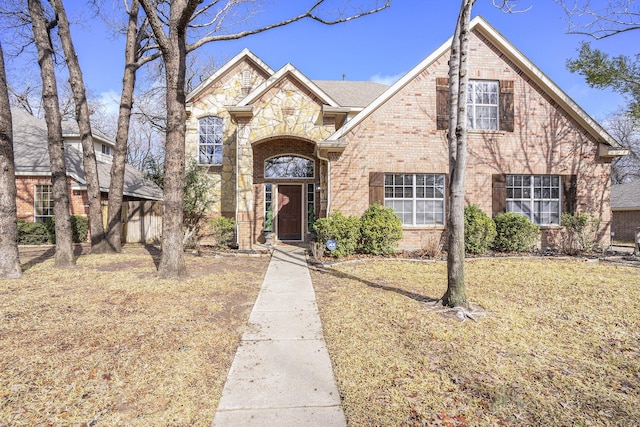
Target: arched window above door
[289, 167]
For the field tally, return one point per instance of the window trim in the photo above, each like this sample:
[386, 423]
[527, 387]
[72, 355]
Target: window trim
[313, 164]
[49, 202]
[218, 142]
[532, 199]
[471, 106]
[414, 199]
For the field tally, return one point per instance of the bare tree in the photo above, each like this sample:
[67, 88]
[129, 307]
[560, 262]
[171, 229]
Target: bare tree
[456, 294]
[98, 239]
[617, 16]
[41, 28]
[626, 130]
[9, 257]
[170, 23]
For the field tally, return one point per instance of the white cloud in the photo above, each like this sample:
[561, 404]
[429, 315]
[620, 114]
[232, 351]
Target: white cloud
[387, 80]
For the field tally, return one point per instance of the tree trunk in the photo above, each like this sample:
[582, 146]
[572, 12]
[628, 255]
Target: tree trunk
[64, 242]
[9, 259]
[172, 260]
[116, 187]
[96, 228]
[456, 295]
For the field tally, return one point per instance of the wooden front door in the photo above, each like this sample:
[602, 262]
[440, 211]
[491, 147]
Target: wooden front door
[289, 212]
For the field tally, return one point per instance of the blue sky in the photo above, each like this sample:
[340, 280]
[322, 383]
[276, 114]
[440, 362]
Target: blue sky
[380, 47]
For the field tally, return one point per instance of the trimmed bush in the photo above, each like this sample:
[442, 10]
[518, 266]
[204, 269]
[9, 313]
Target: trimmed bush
[479, 230]
[380, 230]
[344, 229]
[515, 233]
[32, 233]
[79, 228]
[222, 230]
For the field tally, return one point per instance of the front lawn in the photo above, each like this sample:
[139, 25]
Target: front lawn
[559, 346]
[109, 343]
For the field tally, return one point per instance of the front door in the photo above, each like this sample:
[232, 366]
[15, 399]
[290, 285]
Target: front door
[289, 212]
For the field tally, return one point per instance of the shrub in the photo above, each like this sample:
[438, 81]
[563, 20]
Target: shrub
[582, 231]
[32, 233]
[344, 229]
[380, 230]
[479, 230]
[431, 243]
[515, 233]
[222, 230]
[79, 228]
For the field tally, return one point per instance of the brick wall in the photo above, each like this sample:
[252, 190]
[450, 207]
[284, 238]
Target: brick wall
[401, 137]
[78, 201]
[624, 225]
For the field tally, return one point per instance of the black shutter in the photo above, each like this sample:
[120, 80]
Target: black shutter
[442, 103]
[376, 188]
[506, 105]
[499, 192]
[569, 193]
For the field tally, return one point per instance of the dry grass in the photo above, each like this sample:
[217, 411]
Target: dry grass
[560, 345]
[109, 343]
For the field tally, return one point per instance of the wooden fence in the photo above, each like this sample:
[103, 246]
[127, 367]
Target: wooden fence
[141, 221]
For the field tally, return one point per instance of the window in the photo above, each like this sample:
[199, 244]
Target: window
[268, 207]
[311, 202]
[42, 203]
[210, 145]
[106, 149]
[482, 105]
[288, 167]
[535, 196]
[418, 199]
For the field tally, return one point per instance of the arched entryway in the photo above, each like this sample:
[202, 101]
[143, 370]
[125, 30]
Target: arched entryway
[286, 184]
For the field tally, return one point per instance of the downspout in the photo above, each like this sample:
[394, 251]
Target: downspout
[326, 159]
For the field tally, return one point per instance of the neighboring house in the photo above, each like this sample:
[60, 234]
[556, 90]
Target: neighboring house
[33, 173]
[282, 149]
[625, 210]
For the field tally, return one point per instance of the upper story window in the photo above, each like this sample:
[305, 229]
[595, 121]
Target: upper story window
[418, 199]
[289, 167]
[42, 203]
[490, 104]
[210, 143]
[535, 196]
[482, 105]
[106, 150]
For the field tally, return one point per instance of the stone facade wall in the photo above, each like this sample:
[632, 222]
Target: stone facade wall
[401, 137]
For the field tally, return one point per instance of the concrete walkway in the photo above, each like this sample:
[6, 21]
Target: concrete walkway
[281, 374]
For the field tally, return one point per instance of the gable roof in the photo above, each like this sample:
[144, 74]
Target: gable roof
[245, 54]
[625, 196]
[480, 25]
[31, 157]
[288, 71]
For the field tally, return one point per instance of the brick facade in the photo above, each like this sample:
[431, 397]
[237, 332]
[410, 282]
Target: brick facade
[25, 186]
[282, 114]
[624, 225]
[401, 137]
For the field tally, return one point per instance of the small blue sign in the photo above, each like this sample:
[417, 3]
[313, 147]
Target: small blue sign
[332, 245]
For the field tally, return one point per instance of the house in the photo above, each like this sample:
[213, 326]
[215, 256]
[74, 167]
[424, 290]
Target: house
[33, 174]
[282, 150]
[625, 211]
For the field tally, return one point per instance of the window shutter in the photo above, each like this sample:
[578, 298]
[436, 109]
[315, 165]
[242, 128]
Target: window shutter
[506, 105]
[376, 188]
[499, 191]
[442, 103]
[569, 193]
